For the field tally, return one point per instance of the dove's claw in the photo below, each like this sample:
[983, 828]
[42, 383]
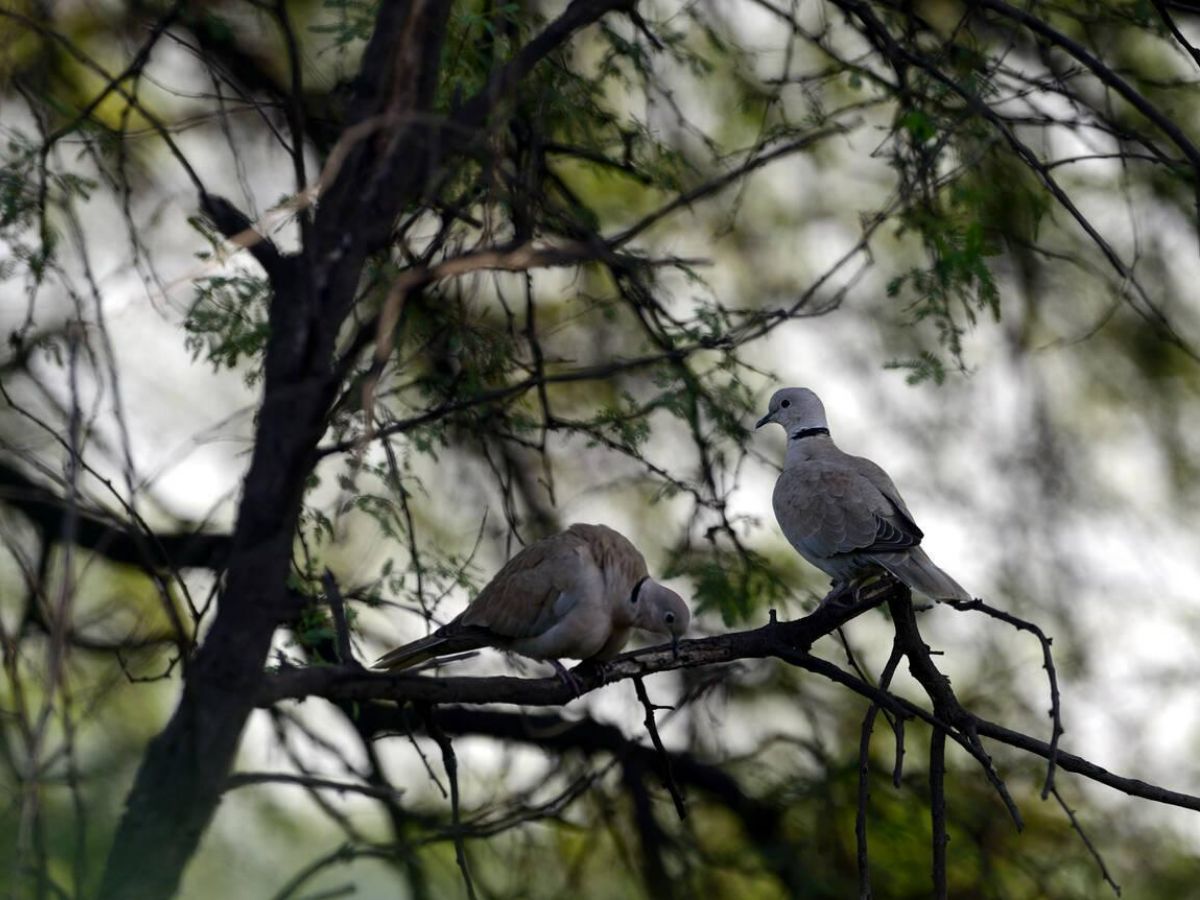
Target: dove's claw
[567, 678]
[874, 588]
[842, 594]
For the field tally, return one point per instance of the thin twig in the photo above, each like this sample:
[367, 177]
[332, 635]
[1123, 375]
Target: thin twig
[898, 766]
[1104, 873]
[341, 890]
[450, 761]
[1047, 664]
[248, 779]
[652, 727]
[341, 625]
[864, 771]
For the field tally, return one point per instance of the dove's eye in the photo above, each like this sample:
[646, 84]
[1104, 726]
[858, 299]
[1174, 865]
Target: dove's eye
[670, 618]
[786, 403]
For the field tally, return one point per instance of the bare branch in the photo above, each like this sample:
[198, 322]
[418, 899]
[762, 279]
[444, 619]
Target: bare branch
[715, 185]
[249, 779]
[240, 231]
[784, 640]
[652, 728]
[945, 705]
[115, 540]
[1104, 873]
[1047, 663]
[450, 761]
[937, 807]
[341, 627]
[1105, 73]
[864, 773]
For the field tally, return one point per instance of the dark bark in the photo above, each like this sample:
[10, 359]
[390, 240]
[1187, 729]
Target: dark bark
[395, 146]
[182, 774]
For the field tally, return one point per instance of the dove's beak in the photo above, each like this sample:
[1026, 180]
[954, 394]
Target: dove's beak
[764, 420]
[675, 645]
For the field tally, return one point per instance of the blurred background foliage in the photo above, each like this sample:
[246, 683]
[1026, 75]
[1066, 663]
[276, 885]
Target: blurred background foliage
[901, 223]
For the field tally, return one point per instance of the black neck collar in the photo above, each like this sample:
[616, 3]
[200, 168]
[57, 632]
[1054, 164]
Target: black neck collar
[637, 589]
[808, 432]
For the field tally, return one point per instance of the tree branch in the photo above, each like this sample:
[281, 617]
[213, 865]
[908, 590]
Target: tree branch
[114, 540]
[341, 683]
[450, 762]
[240, 231]
[652, 730]
[1101, 71]
[476, 111]
[864, 775]
[789, 641]
[1056, 731]
[937, 807]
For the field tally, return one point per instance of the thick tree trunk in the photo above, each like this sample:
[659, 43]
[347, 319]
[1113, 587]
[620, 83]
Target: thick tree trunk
[182, 774]
[394, 153]
[180, 781]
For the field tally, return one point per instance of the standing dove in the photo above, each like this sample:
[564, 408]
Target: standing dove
[842, 513]
[576, 594]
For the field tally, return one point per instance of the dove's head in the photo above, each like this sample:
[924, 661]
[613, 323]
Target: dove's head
[659, 609]
[795, 409]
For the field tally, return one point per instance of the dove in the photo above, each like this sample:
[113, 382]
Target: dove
[576, 594]
[842, 513]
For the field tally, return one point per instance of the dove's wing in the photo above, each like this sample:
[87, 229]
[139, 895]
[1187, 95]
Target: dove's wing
[830, 508]
[537, 588]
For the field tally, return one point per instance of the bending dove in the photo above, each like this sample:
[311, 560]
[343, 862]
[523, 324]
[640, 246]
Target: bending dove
[577, 594]
[842, 513]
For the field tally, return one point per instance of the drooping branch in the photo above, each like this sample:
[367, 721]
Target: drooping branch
[864, 774]
[937, 806]
[1106, 74]
[450, 761]
[946, 706]
[901, 55]
[1087, 842]
[1047, 664]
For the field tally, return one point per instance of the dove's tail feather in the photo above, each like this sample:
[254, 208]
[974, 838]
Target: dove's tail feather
[918, 571]
[427, 648]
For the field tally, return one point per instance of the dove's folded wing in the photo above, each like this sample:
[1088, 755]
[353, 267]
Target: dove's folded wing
[830, 510]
